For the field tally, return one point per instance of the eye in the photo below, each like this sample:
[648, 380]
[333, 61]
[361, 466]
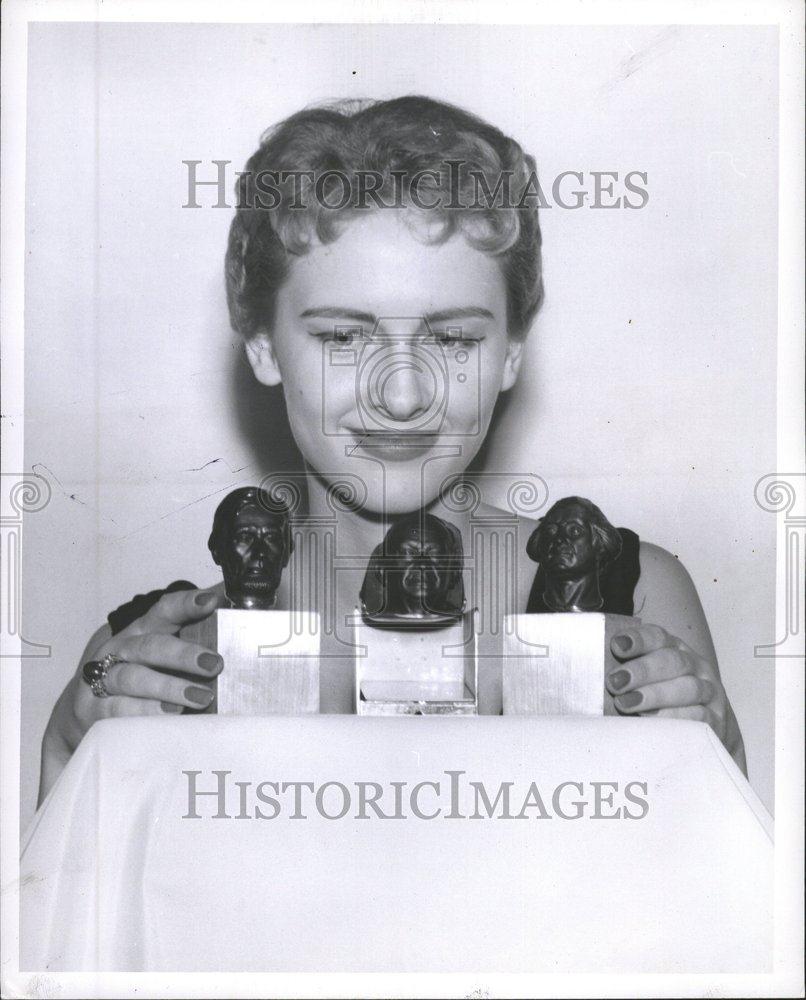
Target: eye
[455, 338]
[344, 335]
[341, 335]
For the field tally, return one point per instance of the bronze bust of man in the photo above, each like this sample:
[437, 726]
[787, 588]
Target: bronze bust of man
[414, 577]
[573, 543]
[251, 542]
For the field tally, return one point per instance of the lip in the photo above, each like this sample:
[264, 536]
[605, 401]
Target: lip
[400, 446]
[560, 554]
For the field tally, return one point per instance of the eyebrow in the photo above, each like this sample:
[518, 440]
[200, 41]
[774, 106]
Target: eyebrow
[357, 316]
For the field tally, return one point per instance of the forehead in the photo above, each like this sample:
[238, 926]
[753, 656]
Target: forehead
[569, 512]
[381, 262]
[417, 534]
[253, 515]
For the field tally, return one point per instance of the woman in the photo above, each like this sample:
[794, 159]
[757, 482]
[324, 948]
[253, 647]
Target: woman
[384, 268]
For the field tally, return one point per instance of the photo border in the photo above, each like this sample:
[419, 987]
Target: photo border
[786, 980]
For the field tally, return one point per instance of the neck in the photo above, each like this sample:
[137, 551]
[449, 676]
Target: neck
[249, 602]
[360, 531]
[581, 594]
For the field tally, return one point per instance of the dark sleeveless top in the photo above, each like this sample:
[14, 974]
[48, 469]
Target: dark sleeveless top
[617, 585]
[129, 612]
[617, 582]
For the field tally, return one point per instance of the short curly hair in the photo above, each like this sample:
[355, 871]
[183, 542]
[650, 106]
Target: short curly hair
[606, 538]
[233, 503]
[394, 139]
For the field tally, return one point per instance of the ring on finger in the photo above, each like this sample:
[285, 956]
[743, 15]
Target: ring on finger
[94, 673]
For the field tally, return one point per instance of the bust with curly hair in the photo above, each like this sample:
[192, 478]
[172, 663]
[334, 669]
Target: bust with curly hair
[573, 543]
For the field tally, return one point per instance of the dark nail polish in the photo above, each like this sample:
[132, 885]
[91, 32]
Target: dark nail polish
[211, 662]
[168, 706]
[619, 679]
[204, 597]
[623, 643]
[199, 695]
[631, 700]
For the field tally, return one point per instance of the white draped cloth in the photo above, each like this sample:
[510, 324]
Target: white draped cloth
[115, 877]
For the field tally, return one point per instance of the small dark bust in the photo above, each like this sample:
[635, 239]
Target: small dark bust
[251, 542]
[414, 577]
[573, 543]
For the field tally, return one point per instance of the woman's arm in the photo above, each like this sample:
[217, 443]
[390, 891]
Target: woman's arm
[137, 684]
[61, 734]
[668, 665]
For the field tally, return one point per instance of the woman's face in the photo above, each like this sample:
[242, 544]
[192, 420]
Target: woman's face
[391, 352]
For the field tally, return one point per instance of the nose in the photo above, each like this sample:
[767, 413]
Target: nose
[403, 391]
[259, 553]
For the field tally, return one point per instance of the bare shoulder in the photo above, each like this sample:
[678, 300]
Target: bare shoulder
[666, 595]
[658, 564]
[662, 572]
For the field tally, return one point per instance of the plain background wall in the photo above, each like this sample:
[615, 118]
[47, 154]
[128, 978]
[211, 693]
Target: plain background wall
[649, 382]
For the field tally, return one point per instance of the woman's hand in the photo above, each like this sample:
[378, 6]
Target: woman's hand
[136, 686]
[658, 674]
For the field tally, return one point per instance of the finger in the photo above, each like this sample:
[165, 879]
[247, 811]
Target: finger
[676, 693]
[138, 681]
[659, 665]
[122, 707]
[640, 640]
[181, 607]
[155, 649]
[695, 713]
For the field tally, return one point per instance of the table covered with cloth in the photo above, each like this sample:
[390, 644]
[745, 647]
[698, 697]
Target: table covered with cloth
[444, 844]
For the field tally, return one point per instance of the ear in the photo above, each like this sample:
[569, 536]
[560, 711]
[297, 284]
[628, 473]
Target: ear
[598, 541]
[533, 545]
[212, 545]
[288, 545]
[512, 363]
[260, 351]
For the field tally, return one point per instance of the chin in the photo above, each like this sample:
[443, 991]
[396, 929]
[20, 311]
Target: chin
[390, 487]
[259, 590]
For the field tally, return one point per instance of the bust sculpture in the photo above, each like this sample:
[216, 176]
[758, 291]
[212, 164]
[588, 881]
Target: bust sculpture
[573, 543]
[251, 542]
[415, 576]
